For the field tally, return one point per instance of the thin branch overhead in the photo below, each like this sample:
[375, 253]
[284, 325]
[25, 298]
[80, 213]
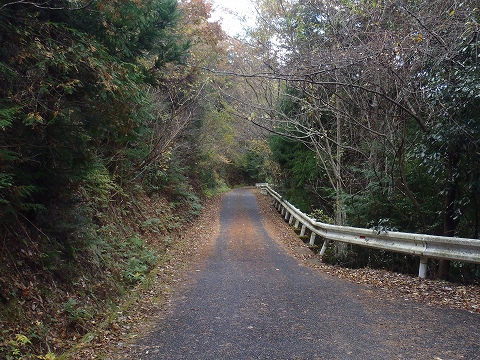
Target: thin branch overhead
[309, 80]
[45, 5]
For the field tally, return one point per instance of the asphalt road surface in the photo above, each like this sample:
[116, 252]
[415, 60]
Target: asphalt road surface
[252, 300]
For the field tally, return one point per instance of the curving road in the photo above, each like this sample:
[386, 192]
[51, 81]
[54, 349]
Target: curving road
[251, 300]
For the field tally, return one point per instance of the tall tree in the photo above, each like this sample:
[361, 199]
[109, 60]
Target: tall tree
[74, 89]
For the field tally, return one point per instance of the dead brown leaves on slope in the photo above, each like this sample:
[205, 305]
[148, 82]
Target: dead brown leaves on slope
[148, 302]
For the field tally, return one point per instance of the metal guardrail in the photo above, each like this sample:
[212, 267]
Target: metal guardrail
[425, 246]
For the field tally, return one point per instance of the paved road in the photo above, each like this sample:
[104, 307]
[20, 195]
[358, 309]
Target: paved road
[251, 300]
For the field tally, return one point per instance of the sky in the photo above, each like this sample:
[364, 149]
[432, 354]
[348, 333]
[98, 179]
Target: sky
[230, 23]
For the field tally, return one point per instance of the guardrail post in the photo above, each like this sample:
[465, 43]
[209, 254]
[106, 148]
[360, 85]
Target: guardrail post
[312, 238]
[302, 232]
[287, 215]
[297, 223]
[324, 248]
[291, 219]
[422, 270]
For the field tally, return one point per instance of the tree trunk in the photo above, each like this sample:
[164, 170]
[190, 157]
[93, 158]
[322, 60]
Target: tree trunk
[449, 222]
[340, 248]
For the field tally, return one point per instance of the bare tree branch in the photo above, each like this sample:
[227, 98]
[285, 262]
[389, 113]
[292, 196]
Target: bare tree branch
[45, 6]
[295, 78]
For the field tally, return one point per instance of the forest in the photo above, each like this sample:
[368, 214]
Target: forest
[120, 118]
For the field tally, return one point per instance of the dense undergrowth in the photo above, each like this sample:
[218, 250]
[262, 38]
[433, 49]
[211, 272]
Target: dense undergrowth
[57, 287]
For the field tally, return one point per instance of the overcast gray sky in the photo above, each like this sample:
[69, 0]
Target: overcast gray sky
[230, 23]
